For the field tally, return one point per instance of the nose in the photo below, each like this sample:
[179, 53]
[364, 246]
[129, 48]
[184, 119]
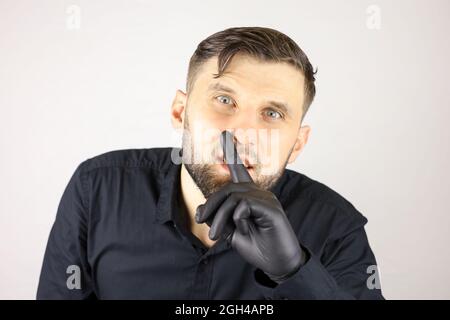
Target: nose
[245, 141]
[244, 127]
[246, 118]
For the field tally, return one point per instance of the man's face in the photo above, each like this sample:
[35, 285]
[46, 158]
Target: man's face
[260, 102]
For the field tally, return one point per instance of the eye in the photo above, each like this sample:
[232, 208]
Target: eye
[273, 114]
[224, 99]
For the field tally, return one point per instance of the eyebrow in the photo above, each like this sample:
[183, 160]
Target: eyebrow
[220, 87]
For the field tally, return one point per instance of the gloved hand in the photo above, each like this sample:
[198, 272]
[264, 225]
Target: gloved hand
[261, 232]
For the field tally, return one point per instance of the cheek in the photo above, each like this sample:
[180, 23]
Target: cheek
[205, 137]
[213, 119]
[205, 117]
[206, 127]
[274, 153]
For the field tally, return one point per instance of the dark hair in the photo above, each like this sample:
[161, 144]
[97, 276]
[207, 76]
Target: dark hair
[258, 42]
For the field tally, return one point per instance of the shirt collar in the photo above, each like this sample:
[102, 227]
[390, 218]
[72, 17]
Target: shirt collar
[168, 203]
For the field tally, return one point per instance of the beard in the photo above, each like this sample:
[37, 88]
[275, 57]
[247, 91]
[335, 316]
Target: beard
[209, 181]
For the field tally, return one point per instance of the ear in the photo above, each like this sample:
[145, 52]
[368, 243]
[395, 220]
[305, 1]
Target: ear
[178, 109]
[300, 142]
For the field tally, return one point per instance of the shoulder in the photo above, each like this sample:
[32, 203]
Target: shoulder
[325, 206]
[300, 185]
[159, 159]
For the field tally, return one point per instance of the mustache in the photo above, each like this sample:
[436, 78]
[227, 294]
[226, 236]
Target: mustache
[245, 152]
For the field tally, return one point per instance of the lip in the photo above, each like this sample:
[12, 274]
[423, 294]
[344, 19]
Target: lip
[224, 168]
[246, 162]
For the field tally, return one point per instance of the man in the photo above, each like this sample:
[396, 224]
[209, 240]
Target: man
[201, 223]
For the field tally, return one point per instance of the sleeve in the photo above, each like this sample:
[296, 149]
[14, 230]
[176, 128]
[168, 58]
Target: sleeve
[65, 272]
[345, 272]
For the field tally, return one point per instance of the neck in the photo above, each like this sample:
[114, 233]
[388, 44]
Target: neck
[192, 198]
[192, 195]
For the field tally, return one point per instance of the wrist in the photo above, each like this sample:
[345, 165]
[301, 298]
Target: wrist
[301, 260]
[280, 279]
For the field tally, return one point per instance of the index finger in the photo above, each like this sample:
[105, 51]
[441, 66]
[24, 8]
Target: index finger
[237, 169]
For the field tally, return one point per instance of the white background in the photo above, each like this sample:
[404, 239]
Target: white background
[380, 134]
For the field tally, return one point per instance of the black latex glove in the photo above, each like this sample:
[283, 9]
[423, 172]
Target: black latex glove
[261, 232]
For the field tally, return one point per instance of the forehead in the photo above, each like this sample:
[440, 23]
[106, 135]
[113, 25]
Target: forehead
[248, 76]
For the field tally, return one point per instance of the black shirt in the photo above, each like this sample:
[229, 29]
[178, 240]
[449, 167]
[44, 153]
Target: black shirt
[121, 222]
